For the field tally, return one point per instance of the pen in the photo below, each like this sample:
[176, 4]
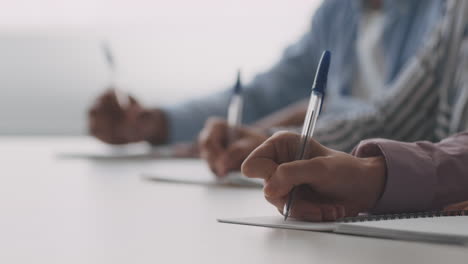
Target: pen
[234, 115]
[122, 98]
[313, 111]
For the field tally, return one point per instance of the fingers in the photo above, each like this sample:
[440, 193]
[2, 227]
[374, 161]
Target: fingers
[213, 147]
[340, 210]
[309, 210]
[278, 202]
[457, 206]
[278, 149]
[310, 172]
[212, 141]
[213, 137]
[107, 102]
[112, 124]
[235, 154]
[264, 160]
[103, 114]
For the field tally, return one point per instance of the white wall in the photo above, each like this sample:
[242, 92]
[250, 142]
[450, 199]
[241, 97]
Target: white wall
[51, 66]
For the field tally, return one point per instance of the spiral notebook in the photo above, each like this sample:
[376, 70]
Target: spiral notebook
[437, 227]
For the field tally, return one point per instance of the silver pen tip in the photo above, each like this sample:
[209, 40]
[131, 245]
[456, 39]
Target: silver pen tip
[286, 212]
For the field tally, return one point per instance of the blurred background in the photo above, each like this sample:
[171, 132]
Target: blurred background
[52, 65]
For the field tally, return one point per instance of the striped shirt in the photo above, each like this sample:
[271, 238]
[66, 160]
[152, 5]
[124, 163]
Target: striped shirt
[422, 175]
[428, 101]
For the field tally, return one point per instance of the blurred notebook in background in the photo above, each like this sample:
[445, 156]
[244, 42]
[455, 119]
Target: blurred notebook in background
[101, 151]
[195, 171]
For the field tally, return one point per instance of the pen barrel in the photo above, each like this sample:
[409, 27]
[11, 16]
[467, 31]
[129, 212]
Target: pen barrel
[310, 120]
[235, 111]
[234, 116]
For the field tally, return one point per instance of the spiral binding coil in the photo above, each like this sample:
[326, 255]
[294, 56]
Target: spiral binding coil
[366, 218]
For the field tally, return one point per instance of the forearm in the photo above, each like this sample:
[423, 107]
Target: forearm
[185, 120]
[421, 176]
[291, 116]
[284, 84]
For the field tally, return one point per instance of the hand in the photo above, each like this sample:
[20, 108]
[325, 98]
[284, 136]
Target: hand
[332, 184]
[463, 206]
[214, 148]
[115, 125]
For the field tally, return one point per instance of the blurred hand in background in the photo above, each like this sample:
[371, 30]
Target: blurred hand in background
[221, 154]
[114, 123]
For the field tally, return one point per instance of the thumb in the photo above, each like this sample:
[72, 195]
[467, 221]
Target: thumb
[265, 159]
[288, 175]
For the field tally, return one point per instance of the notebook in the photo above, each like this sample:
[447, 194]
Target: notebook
[436, 227]
[111, 152]
[195, 171]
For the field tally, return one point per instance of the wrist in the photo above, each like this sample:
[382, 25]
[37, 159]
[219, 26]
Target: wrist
[155, 126]
[375, 170]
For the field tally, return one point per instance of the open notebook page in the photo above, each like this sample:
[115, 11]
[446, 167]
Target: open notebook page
[278, 222]
[448, 229]
[195, 171]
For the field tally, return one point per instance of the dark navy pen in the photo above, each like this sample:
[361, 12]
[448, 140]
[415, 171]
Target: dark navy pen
[313, 111]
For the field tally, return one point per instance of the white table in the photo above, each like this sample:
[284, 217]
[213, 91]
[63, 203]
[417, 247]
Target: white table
[80, 211]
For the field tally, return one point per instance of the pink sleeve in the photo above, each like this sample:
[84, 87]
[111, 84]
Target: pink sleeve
[421, 176]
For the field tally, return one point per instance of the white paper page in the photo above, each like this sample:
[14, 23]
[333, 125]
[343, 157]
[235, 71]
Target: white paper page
[278, 222]
[435, 229]
[195, 171]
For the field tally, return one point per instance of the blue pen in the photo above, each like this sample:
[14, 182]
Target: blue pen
[236, 105]
[313, 111]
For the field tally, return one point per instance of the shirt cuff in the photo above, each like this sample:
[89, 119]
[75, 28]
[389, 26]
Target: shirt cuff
[411, 175]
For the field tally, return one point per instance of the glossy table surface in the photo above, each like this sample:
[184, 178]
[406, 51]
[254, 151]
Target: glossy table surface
[55, 210]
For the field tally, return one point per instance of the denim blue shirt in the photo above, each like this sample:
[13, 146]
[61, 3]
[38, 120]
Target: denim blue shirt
[407, 23]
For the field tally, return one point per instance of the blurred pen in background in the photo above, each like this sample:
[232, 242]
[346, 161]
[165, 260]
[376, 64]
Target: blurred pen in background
[122, 97]
[236, 105]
